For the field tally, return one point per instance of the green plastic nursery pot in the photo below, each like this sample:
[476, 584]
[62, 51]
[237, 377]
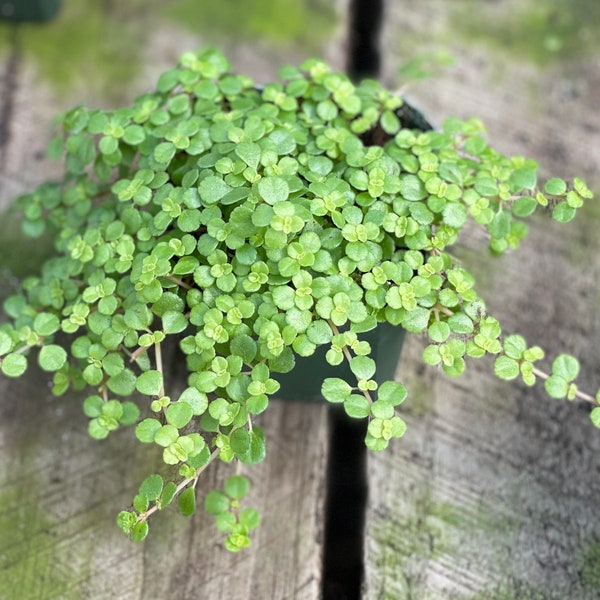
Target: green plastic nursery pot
[28, 10]
[304, 381]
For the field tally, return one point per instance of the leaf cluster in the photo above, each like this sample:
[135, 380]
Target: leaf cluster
[254, 225]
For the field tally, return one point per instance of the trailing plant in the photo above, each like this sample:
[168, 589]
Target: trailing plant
[255, 225]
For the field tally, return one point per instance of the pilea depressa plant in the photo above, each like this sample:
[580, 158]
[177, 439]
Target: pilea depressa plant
[255, 225]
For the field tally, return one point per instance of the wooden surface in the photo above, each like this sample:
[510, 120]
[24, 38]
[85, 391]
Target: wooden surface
[493, 492]
[60, 491]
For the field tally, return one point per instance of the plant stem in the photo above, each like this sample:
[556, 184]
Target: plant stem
[179, 282]
[182, 484]
[159, 367]
[578, 394]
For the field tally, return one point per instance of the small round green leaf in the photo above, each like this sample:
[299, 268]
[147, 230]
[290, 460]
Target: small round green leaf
[14, 365]
[92, 406]
[46, 324]
[336, 390]
[166, 435]
[237, 487]
[152, 486]
[149, 383]
[556, 387]
[52, 357]
[357, 407]
[393, 392]
[566, 366]
[363, 367]
[122, 384]
[555, 186]
[506, 368]
[273, 189]
[146, 430]
[179, 414]
[216, 502]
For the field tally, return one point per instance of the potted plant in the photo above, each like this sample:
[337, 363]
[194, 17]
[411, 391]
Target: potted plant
[258, 227]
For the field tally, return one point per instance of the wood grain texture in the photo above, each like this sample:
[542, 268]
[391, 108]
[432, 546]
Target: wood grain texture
[493, 491]
[60, 493]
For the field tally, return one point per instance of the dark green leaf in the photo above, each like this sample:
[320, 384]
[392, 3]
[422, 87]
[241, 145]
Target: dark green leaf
[139, 531]
[187, 501]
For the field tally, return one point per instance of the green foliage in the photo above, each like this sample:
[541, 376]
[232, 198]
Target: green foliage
[225, 506]
[253, 225]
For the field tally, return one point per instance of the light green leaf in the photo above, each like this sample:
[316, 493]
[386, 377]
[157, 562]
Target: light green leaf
[273, 189]
[249, 518]
[149, 383]
[563, 213]
[439, 331]
[335, 389]
[393, 392]
[212, 189]
[197, 400]
[147, 429]
[237, 486]
[216, 502]
[97, 429]
[523, 178]
[363, 367]
[556, 387]
[555, 186]
[595, 416]
[412, 188]
[45, 324]
[164, 152]
[174, 321]
[506, 368]
[152, 487]
[357, 406]
[582, 189]
[5, 343]
[122, 384]
[92, 406]
[524, 206]
[382, 409]
[14, 365]
[131, 413]
[166, 435]
[566, 366]
[179, 414]
[168, 494]
[52, 357]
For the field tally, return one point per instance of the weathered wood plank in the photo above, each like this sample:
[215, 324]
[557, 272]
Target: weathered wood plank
[493, 491]
[60, 492]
